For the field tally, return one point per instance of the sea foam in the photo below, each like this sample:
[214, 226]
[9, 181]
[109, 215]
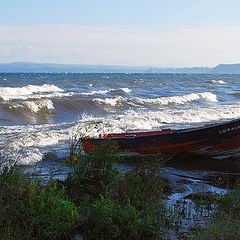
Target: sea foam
[33, 142]
[9, 93]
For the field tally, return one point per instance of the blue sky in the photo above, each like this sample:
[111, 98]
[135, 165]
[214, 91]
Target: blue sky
[144, 32]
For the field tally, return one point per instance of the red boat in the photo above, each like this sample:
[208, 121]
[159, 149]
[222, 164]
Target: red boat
[214, 140]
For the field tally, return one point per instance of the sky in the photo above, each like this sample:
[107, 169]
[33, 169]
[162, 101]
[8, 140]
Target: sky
[169, 33]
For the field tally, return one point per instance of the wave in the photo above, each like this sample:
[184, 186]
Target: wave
[29, 147]
[27, 110]
[137, 81]
[33, 142]
[48, 91]
[10, 93]
[34, 106]
[118, 101]
[124, 90]
[216, 81]
[148, 120]
[41, 109]
[96, 92]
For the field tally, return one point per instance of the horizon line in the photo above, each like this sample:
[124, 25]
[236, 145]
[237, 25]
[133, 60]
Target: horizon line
[116, 65]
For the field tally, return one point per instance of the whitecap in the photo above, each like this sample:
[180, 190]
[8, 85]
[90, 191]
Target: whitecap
[216, 81]
[9, 93]
[125, 90]
[37, 105]
[208, 96]
[97, 92]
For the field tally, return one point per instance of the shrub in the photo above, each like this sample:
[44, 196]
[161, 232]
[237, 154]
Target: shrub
[117, 205]
[31, 210]
[95, 200]
[110, 220]
[142, 186]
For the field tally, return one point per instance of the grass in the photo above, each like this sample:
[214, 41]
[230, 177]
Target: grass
[31, 210]
[226, 224]
[95, 200]
[92, 172]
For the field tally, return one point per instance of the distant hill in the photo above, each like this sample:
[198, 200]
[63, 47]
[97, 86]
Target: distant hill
[28, 67]
[227, 68]
[179, 70]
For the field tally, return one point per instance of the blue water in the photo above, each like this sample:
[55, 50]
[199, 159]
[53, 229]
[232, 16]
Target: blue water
[39, 113]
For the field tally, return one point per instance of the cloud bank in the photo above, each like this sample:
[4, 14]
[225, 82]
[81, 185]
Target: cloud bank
[88, 45]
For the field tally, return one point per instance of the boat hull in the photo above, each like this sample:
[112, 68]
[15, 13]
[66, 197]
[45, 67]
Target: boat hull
[217, 140]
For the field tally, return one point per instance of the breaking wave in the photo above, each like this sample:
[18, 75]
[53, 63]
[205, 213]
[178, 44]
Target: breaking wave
[33, 142]
[48, 91]
[45, 109]
[124, 90]
[9, 93]
[158, 101]
[216, 81]
[34, 106]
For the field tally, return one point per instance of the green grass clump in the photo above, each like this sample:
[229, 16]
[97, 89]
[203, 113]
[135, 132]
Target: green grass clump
[142, 187]
[31, 210]
[226, 225]
[93, 172]
[111, 220]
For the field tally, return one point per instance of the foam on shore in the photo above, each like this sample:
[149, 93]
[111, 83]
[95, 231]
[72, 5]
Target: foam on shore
[33, 142]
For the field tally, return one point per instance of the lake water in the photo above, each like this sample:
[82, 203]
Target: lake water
[40, 113]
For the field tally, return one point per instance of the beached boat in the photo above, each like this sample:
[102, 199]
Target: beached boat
[215, 140]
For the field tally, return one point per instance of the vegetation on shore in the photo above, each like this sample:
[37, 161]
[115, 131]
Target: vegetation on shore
[95, 200]
[30, 209]
[99, 202]
[226, 224]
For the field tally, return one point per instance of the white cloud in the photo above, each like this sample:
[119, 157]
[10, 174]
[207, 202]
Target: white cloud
[74, 44]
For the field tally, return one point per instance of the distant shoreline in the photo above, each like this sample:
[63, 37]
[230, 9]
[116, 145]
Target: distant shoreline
[28, 67]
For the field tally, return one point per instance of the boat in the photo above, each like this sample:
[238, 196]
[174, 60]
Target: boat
[217, 140]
